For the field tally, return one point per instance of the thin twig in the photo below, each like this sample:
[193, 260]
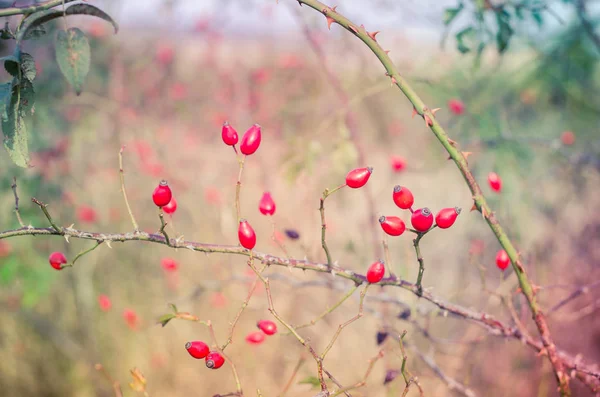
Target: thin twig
[330, 309]
[14, 189]
[238, 187]
[289, 383]
[122, 174]
[326, 194]
[365, 377]
[163, 225]
[30, 10]
[420, 260]
[115, 384]
[579, 291]
[231, 364]
[45, 211]
[83, 252]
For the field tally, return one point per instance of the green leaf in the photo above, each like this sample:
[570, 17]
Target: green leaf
[28, 68]
[537, 17]
[310, 380]
[73, 56]
[173, 307]
[88, 9]
[165, 318]
[14, 120]
[11, 64]
[451, 13]
[35, 32]
[465, 39]
[505, 31]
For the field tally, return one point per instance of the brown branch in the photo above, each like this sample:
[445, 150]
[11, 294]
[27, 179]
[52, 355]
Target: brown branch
[14, 189]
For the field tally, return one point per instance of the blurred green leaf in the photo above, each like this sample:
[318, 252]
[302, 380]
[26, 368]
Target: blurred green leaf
[88, 9]
[14, 120]
[451, 13]
[165, 318]
[34, 20]
[465, 39]
[310, 380]
[505, 31]
[73, 56]
[9, 270]
[173, 307]
[35, 33]
[28, 66]
[11, 65]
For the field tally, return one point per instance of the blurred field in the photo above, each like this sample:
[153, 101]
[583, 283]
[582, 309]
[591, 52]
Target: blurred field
[165, 99]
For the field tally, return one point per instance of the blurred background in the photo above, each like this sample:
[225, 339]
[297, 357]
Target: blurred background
[517, 84]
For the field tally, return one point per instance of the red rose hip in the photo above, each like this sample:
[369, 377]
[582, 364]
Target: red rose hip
[251, 140]
[392, 225]
[376, 272]
[495, 182]
[246, 235]
[171, 207]
[398, 163]
[162, 194]
[229, 134]
[403, 197]
[456, 106]
[357, 178]
[197, 349]
[214, 360]
[446, 217]
[422, 219]
[255, 338]
[57, 259]
[267, 326]
[266, 206]
[502, 260]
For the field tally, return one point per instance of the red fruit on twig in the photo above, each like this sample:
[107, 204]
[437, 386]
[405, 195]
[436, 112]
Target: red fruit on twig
[422, 219]
[495, 182]
[57, 259]
[358, 177]
[255, 338]
[267, 326]
[266, 206]
[251, 140]
[214, 360]
[162, 194]
[502, 260]
[446, 217]
[246, 235]
[403, 197]
[376, 272]
[392, 225]
[229, 134]
[197, 349]
[171, 207]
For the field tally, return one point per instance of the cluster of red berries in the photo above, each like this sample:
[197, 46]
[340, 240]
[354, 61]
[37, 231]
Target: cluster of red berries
[421, 219]
[250, 140]
[200, 350]
[266, 327]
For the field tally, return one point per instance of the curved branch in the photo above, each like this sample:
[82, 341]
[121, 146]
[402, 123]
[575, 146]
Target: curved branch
[369, 38]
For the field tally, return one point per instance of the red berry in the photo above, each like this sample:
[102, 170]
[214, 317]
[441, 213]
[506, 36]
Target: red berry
[375, 272]
[57, 259]
[392, 225]
[104, 303]
[495, 182]
[131, 318]
[267, 326]
[86, 214]
[403, 197]
[246, 235]
[358, 177]
[446, 217]
[398, 163]
[251, 140]
[169, 264]
[502, 260]
[422, 219]
[567, 138]
[229, 134]
[456, 106]
[162, 194]
[255, 338]
[171, 207]
[266, 206]
[197, 349]
[214, 360]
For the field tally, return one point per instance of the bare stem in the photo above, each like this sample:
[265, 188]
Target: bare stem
[331, 309]
[344, 325]
[82, 253]
[30, 10]
[45, 211]
[163, 225]
[115, 384]
[14, 189]
[231, 364]
[122, 175]
[326, 194]
[365, 377]
[421, 262]
[238, 187]
[294, 373]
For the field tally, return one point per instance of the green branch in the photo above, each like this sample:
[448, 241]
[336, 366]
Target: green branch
[30, 10]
